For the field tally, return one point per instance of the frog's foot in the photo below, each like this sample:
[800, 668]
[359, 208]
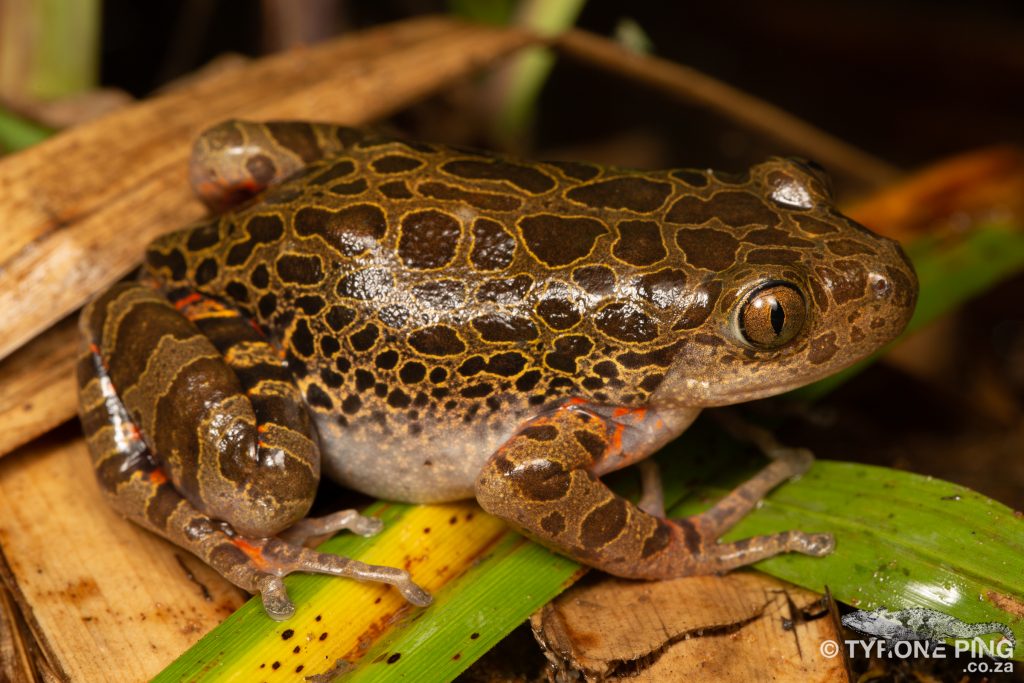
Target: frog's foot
[343, 520]
[544, 481]
[271, 559]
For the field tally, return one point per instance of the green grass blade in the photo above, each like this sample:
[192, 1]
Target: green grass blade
[903, 540]
[471, 616]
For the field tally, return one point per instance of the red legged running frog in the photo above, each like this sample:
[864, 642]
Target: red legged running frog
[431, 323]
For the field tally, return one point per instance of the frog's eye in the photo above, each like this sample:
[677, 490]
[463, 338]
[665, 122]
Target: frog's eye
[772, 315]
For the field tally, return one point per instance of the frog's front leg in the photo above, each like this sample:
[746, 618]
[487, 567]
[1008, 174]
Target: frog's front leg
[201, 437]
[544, 481]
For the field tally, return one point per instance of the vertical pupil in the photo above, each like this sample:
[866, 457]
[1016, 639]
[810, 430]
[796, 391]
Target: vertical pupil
[777, 315]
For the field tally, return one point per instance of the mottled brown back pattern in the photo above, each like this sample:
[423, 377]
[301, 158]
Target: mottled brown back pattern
[484, 286]
[462, 324]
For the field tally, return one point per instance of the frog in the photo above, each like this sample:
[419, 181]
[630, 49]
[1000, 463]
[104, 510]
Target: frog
[429, 323]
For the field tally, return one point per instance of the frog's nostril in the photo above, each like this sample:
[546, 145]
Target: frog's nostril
[880, 285]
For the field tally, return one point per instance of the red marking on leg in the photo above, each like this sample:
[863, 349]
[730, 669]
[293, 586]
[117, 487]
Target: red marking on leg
[156, 477]
[254, 553]
[616, 441]
[187, 301]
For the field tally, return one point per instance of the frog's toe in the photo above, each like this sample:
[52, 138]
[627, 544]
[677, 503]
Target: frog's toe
[276, 602]
[415, 595]
[816, 545]
[281, 558]
[796, 460]
[343, 520]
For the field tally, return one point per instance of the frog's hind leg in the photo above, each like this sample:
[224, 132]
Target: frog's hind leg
[544, 481]
[143, 327]
[235, 160]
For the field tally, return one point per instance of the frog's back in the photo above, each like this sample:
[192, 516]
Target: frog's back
[429, 299]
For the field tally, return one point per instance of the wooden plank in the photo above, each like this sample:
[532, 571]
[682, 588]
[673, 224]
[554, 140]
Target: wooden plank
[37, 386]
[79, 208]
[104, 599]
[743, 626]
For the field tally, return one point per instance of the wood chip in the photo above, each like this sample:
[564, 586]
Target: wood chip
[744, 626]
[37, 386]
[93, 588]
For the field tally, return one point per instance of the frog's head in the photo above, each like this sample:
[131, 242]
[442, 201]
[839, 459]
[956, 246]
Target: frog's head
[793, 290]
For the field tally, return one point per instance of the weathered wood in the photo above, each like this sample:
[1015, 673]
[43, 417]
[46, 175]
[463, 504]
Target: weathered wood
[37, 386]
[79, 208]
[701, 628]
[104, 599]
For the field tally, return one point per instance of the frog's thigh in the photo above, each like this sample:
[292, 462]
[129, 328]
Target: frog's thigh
[138, 488]
[542, 481]
[257, 470]
[234, 160]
